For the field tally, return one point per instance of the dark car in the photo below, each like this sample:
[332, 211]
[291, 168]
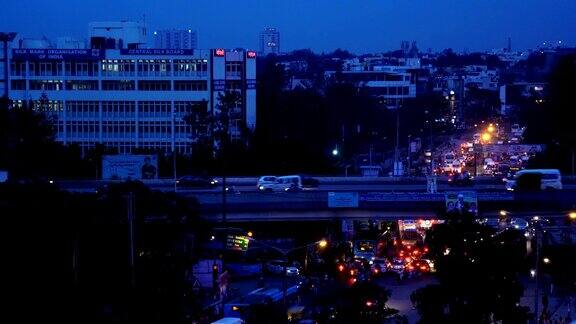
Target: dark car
[309, 182]
[197, 182]
[460, 179]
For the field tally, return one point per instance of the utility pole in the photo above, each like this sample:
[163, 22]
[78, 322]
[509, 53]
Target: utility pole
[408, 162]
[396, 150]
[537, 269]
[131, 234]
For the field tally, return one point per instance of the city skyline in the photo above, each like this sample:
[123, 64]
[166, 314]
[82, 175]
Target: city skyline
[372, 26]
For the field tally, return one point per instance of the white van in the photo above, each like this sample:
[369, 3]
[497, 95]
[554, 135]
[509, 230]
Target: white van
[551, 179]
[283, 184]
[229, 320]
[265, 181]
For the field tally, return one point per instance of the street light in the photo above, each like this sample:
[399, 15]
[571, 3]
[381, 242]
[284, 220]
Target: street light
[503, 213]
[491, 129]
[322, 243]
[546, 260]
[572, 215]
[486, 137]
[250, 234]
[335, 151]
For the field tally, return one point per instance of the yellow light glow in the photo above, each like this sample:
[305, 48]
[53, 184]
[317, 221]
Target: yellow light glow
[572, 215]
[486, 137]
[491, 129]
[323, 243]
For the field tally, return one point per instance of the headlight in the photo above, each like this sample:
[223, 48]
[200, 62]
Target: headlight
[212, 182]
[261, 187]
[215, 181]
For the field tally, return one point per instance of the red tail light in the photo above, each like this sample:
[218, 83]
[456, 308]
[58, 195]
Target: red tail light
[340, 268]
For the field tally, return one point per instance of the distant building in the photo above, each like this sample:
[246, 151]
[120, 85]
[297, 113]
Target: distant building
[391, 84]
[269, 41]
[69, 43]
[132, 99]
[517, 94]
[176, 39]
[117, 35]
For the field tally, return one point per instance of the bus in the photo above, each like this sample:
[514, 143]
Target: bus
[262, 296]
[549, 179]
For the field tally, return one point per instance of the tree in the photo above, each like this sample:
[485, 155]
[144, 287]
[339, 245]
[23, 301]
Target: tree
[474, 290]
[556, 110]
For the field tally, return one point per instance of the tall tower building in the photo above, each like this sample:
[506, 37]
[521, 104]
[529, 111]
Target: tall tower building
[176, 39]
[269, 41]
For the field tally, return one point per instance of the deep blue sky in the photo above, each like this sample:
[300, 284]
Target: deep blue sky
[360, 26]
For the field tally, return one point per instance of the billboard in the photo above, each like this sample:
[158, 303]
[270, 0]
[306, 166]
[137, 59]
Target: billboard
[342, 200]
[462, 201]
[129, 167]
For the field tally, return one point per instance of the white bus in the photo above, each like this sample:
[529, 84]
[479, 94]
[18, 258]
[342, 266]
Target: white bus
[550, 179]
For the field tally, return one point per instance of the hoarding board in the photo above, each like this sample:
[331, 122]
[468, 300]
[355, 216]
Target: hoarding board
[129, 167]
[342, 200]
[462, 201]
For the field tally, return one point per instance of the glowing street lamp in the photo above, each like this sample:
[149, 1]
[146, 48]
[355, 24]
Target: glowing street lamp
[335, 151]
[486, 137]
[491, 129]
[572, 215]
[322, 243]
[546, 260]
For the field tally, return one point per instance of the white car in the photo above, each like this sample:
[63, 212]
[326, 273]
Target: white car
[518, 223]
[265, 181]
[277, 267]
[282, 184]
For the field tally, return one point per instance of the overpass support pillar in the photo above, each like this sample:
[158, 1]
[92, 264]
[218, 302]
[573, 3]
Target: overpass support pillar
[347, 229]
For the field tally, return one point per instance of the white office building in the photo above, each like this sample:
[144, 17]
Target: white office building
[132, 98]
[176, 39]
[269, 41]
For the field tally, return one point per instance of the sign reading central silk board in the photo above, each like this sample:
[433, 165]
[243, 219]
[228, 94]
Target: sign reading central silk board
[156, 51]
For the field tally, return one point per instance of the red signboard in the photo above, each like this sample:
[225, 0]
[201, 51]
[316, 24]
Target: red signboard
[251, 54]
[219, 52]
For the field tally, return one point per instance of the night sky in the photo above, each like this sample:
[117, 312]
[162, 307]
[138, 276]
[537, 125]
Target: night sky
[360, 26]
